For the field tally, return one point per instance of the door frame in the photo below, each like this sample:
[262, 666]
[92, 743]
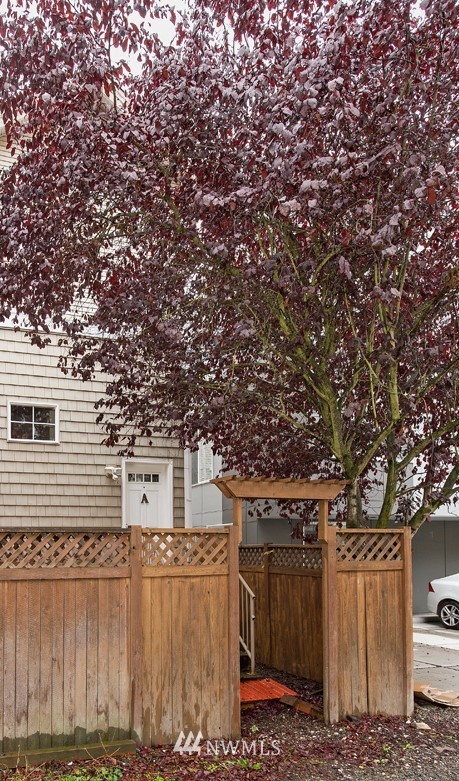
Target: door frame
[168, 463]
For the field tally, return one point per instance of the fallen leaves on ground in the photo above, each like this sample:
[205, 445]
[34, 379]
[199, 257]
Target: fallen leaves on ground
[280, 743]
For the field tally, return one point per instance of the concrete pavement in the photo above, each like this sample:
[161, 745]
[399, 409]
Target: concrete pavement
[436, 653]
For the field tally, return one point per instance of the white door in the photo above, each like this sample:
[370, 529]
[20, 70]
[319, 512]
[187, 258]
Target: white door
[147, 488]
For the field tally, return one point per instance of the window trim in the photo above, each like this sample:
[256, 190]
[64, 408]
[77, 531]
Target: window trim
[199, 455]
[29, 403]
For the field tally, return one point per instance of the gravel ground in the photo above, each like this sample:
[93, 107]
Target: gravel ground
[290, 746]
[424, 748]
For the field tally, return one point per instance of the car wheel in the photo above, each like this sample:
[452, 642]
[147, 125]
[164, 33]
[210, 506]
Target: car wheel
[449, 614]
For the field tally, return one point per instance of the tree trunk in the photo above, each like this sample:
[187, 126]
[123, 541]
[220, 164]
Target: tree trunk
[354, 516]
[390, 496]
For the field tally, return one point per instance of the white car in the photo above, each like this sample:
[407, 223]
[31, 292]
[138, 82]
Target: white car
[443, 599]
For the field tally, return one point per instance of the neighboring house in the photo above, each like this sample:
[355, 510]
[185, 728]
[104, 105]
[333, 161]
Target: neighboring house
[435, 545]
[54, 471]
[210, 507]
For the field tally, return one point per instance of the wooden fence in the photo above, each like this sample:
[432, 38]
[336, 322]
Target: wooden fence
[106, 635]
[339, 612]
[287, 582]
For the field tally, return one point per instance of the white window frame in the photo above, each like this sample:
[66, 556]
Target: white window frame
[31, 403]
[199, 454]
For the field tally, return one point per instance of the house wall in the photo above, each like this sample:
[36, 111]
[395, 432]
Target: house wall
[5, 157]
[208, 502]
[65, 484]
[210, 507]
[207, 505]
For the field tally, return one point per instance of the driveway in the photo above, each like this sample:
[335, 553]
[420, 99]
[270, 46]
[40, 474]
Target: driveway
[436, 653]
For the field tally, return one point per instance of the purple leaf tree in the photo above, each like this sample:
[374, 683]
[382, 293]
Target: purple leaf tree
[264, 218]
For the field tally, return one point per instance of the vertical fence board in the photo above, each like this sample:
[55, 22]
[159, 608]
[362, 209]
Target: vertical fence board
[102, 655]
[407, 628]
[165, 679]
[216, 663]
[81, 643]
[232, 641]
[9, 668]
[221, 647]
[22, 651]
[125, 661]
[92, 660]
[2, 661]
[151, 697]
[193, 609]
[57, 682]
[206, 681]
[69, 681]
[177, 657]
[114, 660]
[136, 631]
[352, 668]
[46, 608]
[33, 697]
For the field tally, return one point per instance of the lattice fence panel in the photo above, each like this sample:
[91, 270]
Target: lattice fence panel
[304, 557]
[358, 546]
[33, 550]
[184, 549]
[251, 556]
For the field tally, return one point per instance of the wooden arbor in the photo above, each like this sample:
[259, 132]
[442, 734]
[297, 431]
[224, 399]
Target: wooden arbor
[365, 598]
[248, 488]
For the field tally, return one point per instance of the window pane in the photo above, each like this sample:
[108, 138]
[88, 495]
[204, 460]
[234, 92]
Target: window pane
[21, 414]
[155, 478]
[139, 478]
[131, 477]
[21, 431]
[45, 415]
[147, 478]
[44, 433]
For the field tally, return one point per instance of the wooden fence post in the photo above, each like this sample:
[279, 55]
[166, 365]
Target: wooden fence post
[330, 627]
[408, 619]
[237, 517]
[234, 672]
[267, 599]
[322, 528]
[136, 635]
